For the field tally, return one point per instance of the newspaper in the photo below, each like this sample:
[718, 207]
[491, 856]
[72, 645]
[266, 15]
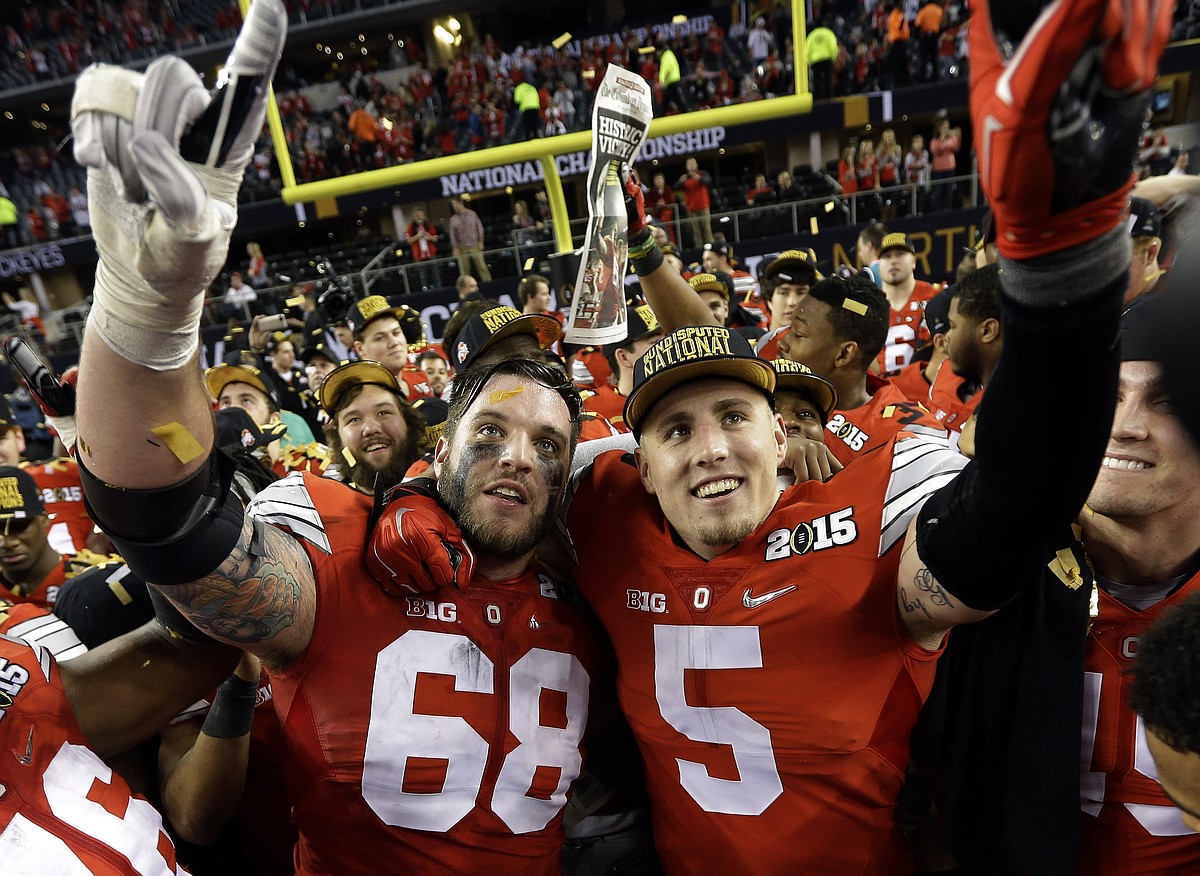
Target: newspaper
[620, 120]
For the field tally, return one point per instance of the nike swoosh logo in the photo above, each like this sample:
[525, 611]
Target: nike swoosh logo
[755, 601]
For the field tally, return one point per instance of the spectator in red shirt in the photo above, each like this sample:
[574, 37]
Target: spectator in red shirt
[422, 238]
[695, 185]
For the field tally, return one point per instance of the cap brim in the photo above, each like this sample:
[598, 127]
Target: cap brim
[817, 388]
[905, 248]
[220, 376]
[794, 271]
[545, 329]
[362, 373]
[757, 373]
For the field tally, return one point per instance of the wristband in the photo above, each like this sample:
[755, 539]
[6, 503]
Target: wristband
[644, 255]
[232, 711]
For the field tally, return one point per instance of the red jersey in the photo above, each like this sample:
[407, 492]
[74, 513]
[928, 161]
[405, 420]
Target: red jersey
[431, 734]
[64, 811]
[943, 399]
[850, 434]
[1130, 826]
[594, 425]
[907, 330]
[312, 457]
[62, 494]
[416, 383]
[608, 403]
[46, 592]
[773, 688]
[767, 347]
[37, 626]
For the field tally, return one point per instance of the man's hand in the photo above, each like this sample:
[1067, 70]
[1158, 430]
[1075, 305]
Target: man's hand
[635, 200]
[810, 460]
[416, 546]
[165, 159]
[1058, 101]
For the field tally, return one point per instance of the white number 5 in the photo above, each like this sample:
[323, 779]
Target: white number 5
[680, 648]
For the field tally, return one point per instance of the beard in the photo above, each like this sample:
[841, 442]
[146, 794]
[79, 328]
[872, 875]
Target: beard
[485, 534]
[726, 531]
[390, 472]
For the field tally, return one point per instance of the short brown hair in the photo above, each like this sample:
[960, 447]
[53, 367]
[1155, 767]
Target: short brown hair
[528, 286]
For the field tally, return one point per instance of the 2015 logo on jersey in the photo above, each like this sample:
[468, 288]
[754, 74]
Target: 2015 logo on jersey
[446, 612]
[853, 437]
[641, 600]
[13, 677]
[821, 533]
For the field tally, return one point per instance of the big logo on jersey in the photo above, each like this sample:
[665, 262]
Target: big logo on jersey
[821, 533]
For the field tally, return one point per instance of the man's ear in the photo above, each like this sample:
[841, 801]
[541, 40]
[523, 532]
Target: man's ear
[441, 451]
[989, 330]
[847, 353]
[644, 471]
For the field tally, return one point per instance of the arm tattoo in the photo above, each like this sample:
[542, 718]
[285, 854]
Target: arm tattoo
[926, 583]
[252, 596]
[913, 604]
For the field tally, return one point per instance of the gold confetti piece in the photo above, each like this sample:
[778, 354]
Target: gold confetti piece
[503, 395]
[120, 592]
[179, 441]
[812, 225]
[528, 265]
[854, 306]
[561, 40]
[348, 455]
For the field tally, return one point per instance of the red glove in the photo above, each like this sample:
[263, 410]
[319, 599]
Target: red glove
[1058, 105]
[416, 546]
[635, 200]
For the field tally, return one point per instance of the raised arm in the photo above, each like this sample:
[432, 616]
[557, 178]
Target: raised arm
[1059, 194]
[673, 301]
[165, 160]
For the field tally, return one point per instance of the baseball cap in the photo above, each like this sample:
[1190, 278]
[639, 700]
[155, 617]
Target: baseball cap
[351, 374]
[490, 327]
[20, 498]
[794, 266]
[642, 322]
[363, 313]
[794, 377]
[691, 353]
[986, 233]
[720, 282]
[1144, 219]
[434, 412]
[235, 426]
[220, 376]
[937, 312]
[895, 240]
[312, 351]
[722, 248]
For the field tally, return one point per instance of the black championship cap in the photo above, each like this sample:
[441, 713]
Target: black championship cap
[351, 374]
[691, 353]
[434, 411]
[642, 322]
[721, 248]
[720, 282]
[20, 498]
[236, 427]
[794, 266]
[1144, 218]
[318, 348]
[793, 377]
[492, 326]
[937, 312]
[373, 307]
[895, 240]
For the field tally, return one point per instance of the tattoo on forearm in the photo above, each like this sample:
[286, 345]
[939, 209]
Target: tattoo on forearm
[248, 598]
[913, 604]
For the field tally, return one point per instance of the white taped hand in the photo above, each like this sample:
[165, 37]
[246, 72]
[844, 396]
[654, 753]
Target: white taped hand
[166, 159]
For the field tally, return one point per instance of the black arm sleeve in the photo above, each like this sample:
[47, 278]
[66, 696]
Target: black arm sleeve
[1042, 428]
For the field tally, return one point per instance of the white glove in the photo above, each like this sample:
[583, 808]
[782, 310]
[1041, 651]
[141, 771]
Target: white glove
[166, 159]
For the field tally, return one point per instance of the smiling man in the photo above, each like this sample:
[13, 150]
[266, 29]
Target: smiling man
[372, 431]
